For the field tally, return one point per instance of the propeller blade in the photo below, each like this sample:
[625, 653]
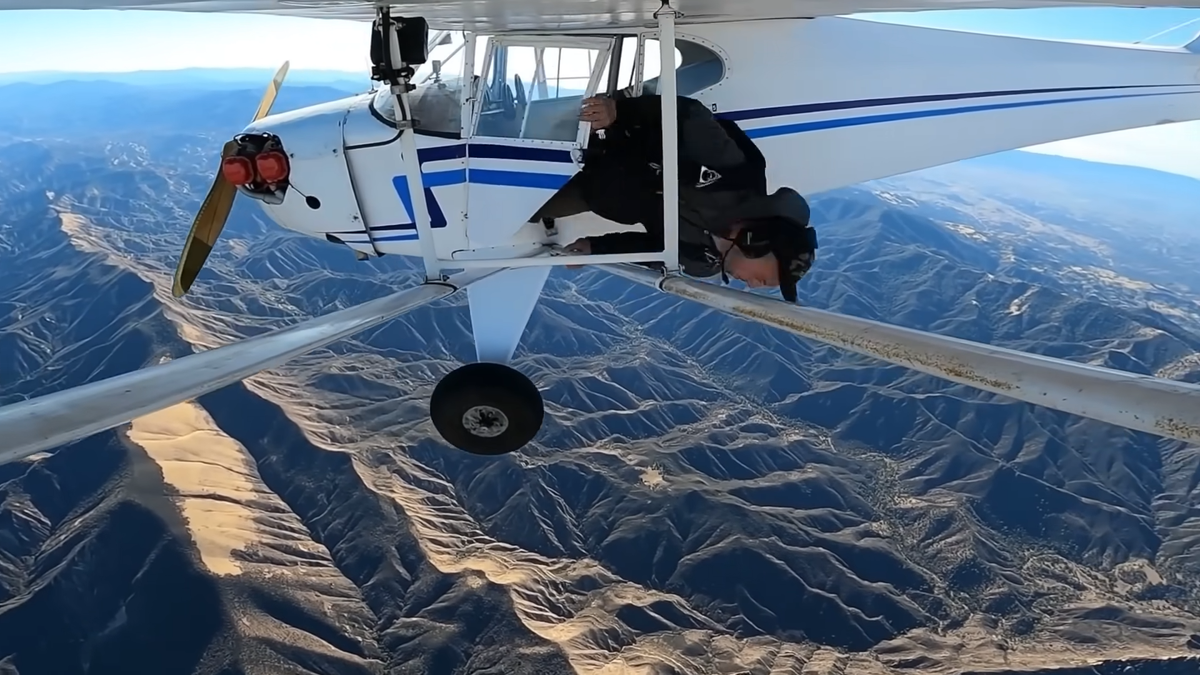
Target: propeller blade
[206, 227]
[213, 213]
[268, 98]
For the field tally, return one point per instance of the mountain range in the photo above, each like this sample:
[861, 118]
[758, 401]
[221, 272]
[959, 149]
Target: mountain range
[707, 495]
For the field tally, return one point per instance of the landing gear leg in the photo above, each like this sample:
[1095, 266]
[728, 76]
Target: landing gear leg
[488, 407]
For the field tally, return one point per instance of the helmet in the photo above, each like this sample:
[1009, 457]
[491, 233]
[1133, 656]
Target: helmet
[794, 246]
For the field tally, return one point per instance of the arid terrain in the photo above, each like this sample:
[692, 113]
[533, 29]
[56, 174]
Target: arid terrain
[707, 495]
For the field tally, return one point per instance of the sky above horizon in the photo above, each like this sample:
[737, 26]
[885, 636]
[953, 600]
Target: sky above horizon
[110, 41]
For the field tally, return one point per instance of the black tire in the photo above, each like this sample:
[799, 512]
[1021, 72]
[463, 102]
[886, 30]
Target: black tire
[464, 408]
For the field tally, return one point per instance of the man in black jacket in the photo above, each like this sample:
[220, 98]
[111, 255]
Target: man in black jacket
[723, 225]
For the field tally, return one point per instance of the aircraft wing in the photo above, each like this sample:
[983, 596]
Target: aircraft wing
[519, 15]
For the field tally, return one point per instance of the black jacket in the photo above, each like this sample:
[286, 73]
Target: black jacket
[718, 167]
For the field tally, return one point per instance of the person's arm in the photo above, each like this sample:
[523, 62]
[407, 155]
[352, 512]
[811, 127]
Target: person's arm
[650, 241]
[702, 139]
[694, 259]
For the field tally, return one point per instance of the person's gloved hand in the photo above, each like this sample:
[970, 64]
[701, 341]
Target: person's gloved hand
[599, 111]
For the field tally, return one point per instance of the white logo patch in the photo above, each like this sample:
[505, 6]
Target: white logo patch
[707, 177]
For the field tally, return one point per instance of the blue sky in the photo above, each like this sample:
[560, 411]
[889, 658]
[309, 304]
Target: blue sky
[106, 41]
[1081, 23]
[123, 41]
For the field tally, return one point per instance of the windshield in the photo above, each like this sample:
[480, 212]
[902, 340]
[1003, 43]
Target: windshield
[437, 106]
[437, 100]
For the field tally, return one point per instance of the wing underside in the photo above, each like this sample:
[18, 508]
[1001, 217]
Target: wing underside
[537, 15]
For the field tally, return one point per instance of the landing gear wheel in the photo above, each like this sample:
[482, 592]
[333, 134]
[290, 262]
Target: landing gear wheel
[487, 409]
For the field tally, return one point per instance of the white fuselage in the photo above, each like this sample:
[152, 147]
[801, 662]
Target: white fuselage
[830, 102]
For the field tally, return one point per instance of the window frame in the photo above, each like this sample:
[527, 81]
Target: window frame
[639, 69]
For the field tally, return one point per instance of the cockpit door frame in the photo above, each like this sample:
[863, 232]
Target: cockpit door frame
[509, 176]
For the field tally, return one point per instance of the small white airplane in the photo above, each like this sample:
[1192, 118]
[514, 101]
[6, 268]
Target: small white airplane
[482, 119]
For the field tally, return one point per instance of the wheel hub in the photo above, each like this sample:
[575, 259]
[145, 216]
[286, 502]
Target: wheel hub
[485, 421]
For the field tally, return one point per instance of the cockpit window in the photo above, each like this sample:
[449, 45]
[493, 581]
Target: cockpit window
[696, 67]
[535, 91]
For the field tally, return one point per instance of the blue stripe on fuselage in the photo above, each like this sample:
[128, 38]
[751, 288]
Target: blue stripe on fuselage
[856, 104]
[843, 122]
[493, 151]
[527, 179]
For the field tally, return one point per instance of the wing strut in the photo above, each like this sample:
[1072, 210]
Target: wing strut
[398, 76]
[54, 419]
[1140, 402]
[670, 134]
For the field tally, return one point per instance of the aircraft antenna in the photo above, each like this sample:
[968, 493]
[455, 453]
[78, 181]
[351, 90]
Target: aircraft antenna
[1169, 30]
